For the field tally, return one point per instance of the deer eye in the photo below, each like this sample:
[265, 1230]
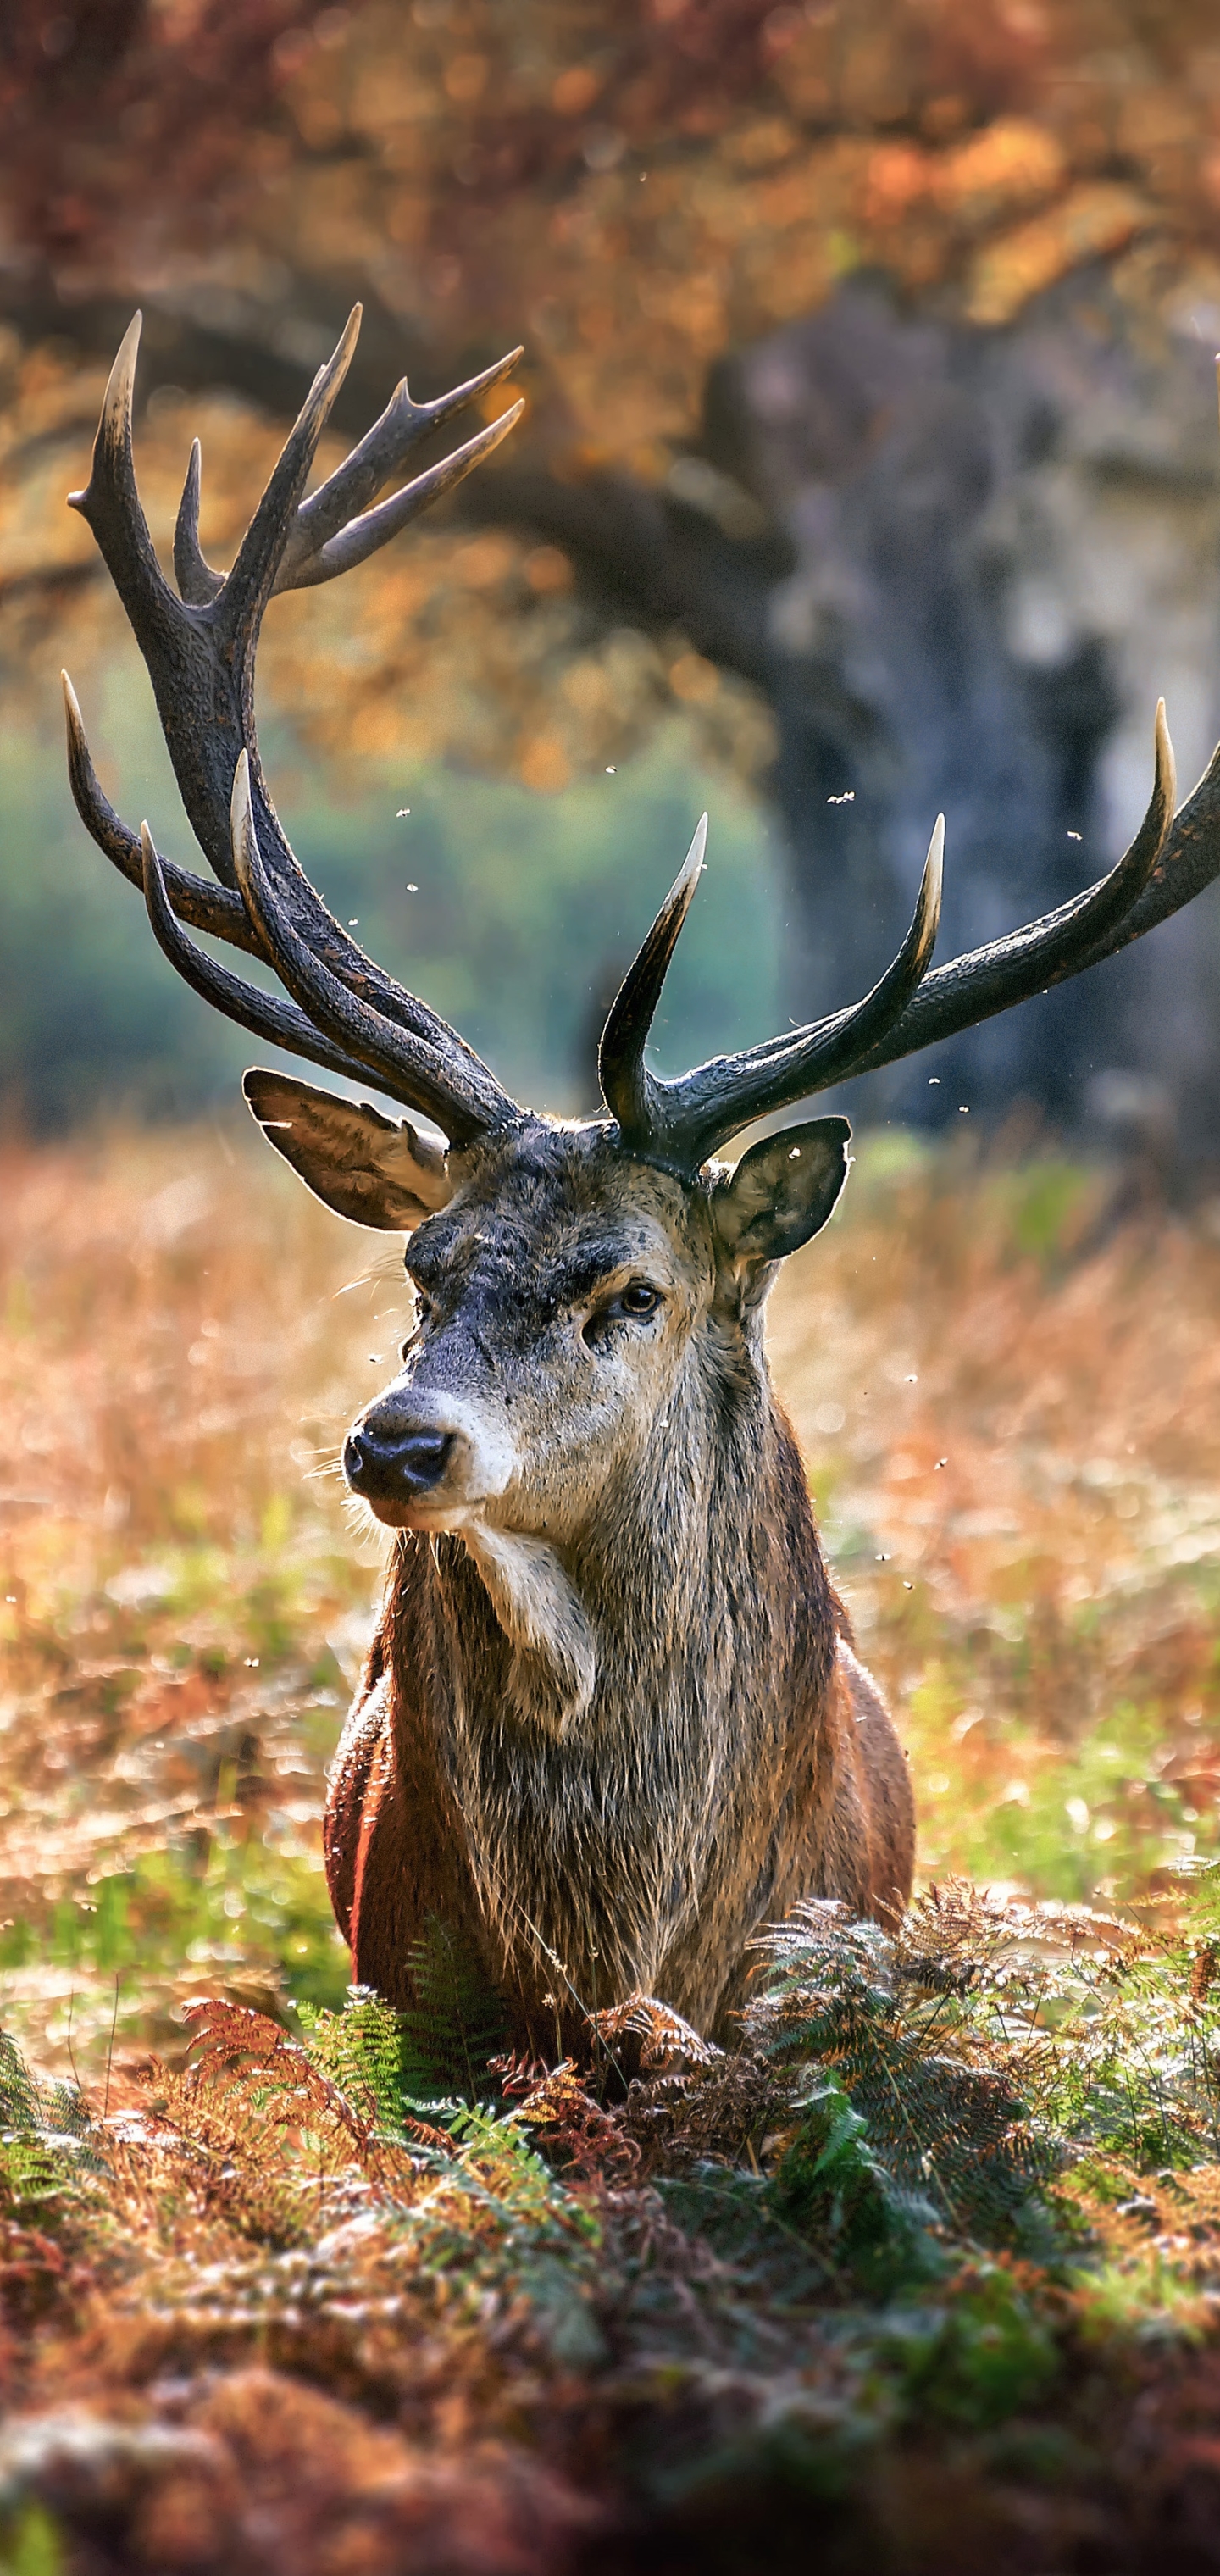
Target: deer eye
[634, 1303]
[631, 1304]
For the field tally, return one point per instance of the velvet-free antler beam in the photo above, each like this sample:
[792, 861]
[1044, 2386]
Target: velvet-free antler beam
[679, 1123]
[262, 1013]
[200, 650]
[1169, 862]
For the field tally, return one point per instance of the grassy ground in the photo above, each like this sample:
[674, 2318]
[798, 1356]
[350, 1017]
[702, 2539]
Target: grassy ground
[1011, 1410]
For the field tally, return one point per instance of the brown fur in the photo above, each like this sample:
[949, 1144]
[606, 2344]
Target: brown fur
[732, 1755]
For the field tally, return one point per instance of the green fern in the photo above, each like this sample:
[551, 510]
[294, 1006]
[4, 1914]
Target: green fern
[360, 2049]
[429, 2058]
[942, 2113]
[454, 2025]
[26, 2102]
[44, 2133]
[833, 2184]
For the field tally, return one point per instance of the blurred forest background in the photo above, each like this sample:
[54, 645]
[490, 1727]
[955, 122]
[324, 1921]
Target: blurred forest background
[870, 465]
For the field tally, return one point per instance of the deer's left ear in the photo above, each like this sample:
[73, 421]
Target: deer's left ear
[374, 1170]
[782, 1191]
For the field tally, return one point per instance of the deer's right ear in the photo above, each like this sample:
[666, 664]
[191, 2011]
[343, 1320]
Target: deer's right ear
[374, 1170]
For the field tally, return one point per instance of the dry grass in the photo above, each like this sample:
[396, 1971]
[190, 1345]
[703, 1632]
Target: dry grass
[184, 1603]
[259, 2328]
[1014, 1439]
[1011, 1410]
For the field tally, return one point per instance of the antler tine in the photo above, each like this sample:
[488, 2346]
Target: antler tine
[679, 1123]
[200, 650]
[206, 907]
[1164, 868]
[828, 1048]
[197, 583]
[345, 497]
[263, 1013]
[110, 502]
[627, 1086]
[361, 537]
[437, 1073]
[248, 586]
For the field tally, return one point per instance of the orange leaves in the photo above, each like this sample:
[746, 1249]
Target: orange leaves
[548, 571]
[574, 90]
[1091, 219]
[740, 161]
[543, 764]
[231, 2044]
[588, 2144]
[978, 185]
[693, 679]
[998, 172]
[466, 78]
[483, 562]
[897, 177]
[451, 158]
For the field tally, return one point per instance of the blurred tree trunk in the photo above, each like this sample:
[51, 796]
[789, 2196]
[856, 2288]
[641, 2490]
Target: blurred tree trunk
[957, 527]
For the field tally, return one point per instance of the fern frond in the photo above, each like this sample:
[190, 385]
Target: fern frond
[455, 2023]
[587, 2139]
[287, 2079]
[890, 2018]
[47, 2136]
[662, 2031]
[360, 2050]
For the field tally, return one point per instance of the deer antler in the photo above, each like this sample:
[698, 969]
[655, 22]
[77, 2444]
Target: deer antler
[345, 1011]
[200, 649]
[679, 1123]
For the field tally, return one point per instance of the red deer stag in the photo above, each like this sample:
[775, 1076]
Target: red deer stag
[612, 1719]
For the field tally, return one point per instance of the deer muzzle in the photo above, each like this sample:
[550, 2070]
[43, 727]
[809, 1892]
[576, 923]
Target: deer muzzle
[395, 1471]
[420, 1463]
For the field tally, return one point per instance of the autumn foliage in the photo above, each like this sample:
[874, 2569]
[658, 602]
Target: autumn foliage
[288, 2283]
[637, 194]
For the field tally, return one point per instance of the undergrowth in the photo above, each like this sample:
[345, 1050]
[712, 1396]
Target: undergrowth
[943, 2163]
[293, 2286]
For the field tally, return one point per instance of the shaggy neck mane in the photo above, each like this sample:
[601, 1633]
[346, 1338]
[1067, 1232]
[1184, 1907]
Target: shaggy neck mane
[607, 1723]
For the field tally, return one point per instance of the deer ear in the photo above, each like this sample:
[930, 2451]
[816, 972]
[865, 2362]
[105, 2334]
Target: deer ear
[374, 1170]
[782, 1191]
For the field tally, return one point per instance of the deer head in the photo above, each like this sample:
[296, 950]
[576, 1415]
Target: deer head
[578, 1284]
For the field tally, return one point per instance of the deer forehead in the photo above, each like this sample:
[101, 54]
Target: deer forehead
[550, 1216]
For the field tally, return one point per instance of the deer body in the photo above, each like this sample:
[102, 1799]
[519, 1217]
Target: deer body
[671, 1917]
[612, 1720]
[620, 1814]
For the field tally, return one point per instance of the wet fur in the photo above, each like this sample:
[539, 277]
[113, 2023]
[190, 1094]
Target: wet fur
[609, 1769]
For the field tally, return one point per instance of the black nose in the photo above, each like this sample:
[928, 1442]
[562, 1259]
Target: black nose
[395, 1466]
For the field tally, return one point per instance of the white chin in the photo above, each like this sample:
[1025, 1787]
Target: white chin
[431, 1513]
